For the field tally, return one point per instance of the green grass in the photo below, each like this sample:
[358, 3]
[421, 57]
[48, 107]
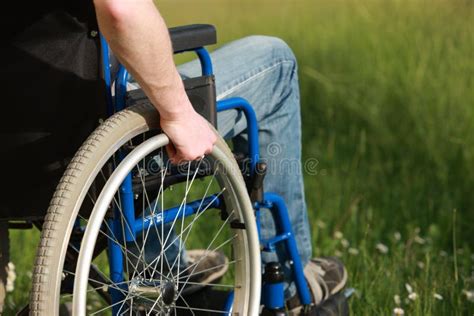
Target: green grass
[388, 110]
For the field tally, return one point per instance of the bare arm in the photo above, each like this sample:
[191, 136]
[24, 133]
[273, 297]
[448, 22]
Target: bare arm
[139, 38]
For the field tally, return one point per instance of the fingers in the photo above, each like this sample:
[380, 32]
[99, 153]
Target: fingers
[179, 156]
[171, 151]
[190, 139]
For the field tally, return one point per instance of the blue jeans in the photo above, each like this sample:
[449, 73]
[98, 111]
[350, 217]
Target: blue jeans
[263, 70]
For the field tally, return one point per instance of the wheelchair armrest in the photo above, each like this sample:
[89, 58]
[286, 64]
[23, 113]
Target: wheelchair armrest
[192, 36]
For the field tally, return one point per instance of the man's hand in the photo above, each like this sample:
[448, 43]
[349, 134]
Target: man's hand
[190, 135]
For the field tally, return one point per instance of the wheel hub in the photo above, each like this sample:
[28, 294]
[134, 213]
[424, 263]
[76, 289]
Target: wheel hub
[164, 294]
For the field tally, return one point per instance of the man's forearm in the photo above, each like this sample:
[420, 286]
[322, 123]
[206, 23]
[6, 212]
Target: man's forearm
[139, 38]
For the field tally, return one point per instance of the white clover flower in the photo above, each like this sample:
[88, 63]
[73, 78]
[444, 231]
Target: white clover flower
[11, 276]
[382, 248]
[419, 240]
[353, 251]
[413, 296]
[469, 295]
[397, 236]
[397, 299]
[321, 224]
[420, 265]
[337, 253]
[345, 243]
[437, 296]
[398, 311]
[409, 288]
[338, 235]
[443, 253]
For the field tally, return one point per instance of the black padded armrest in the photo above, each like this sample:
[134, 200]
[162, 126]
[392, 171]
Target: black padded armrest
[193, 36]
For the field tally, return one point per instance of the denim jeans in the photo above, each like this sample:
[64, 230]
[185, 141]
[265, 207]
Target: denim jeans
[263, 70]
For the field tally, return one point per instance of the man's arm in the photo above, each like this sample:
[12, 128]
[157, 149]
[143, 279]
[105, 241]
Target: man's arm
[139, 38]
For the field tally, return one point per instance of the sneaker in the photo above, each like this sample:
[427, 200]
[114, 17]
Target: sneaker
[326, 276]
[204, 268]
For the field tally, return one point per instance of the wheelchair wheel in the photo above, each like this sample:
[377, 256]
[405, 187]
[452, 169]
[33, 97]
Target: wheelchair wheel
[100, 259]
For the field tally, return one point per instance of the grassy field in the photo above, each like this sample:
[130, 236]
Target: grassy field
[388, 110]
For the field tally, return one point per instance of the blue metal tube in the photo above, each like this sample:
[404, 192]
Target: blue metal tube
[128, 208]
[121, 88]
[257, 220]
[280, 212]
[228, 303]
[269, 244]
[115, 265]
[106, 74]
[205, 59]
[252, 126]
[190, 208]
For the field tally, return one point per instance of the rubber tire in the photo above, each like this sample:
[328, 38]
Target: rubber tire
[66, 201]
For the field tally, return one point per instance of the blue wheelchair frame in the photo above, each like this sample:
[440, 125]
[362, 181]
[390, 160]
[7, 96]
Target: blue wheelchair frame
[272, 294]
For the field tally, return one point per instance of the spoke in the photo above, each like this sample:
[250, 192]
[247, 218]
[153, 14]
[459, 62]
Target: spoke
[185, 302]
[143, 213]
[119, 206]
[128, 296]
[171, 244]
[153, 210]
[162, 213]
[124, 292]
[91, 198]
[212, 268]
[123, 235]
[114, 239]
[202, 309]
[112, 305]
[188, 188]
[210, 244]
[182, 216]
[190, 226]
[154, 304]
[207, 250]
[123, 303]
[194, 265]
[99, 287]
[213, 284]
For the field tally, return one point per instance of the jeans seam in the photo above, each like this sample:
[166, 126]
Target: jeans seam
[252, 77]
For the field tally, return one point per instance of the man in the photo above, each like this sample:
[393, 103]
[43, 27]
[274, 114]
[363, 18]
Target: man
[260, 69]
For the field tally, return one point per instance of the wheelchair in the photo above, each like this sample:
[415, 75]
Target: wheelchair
[119, 194]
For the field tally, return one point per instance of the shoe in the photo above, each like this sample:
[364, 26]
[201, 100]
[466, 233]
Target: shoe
[204, 268]
[326, 276]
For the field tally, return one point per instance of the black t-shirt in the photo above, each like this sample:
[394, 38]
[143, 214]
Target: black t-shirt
[52, 94]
